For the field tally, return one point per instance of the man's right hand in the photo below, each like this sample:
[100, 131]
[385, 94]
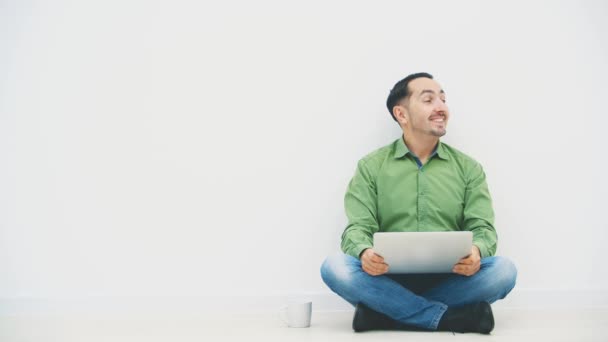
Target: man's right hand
[372, 263]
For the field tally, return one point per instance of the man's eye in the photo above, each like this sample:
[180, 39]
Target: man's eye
[427, 100]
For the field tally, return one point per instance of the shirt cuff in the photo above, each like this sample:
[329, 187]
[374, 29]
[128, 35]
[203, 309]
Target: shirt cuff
[358, 249]
[483, 250]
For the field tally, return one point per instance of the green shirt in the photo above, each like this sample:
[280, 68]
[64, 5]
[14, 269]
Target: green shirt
[392, 192]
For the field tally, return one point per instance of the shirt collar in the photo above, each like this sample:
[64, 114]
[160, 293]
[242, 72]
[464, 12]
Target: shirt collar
[401, 150]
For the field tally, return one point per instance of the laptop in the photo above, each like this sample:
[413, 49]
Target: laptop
[422, 252]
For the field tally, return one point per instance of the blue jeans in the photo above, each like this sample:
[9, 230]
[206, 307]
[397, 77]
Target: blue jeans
[417, 299]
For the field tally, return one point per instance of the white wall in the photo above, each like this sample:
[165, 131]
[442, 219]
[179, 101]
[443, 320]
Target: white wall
[189, 148]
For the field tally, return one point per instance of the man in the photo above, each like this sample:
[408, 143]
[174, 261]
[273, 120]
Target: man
[418, 183]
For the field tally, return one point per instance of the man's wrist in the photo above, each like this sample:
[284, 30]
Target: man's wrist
[363, 251]
[478, 250]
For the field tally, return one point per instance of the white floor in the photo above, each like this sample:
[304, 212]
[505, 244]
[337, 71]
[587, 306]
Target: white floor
[511, 325]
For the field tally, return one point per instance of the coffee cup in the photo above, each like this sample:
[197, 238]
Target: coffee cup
[297, 314]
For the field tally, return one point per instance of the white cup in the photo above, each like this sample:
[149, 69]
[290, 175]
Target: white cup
[297, 314]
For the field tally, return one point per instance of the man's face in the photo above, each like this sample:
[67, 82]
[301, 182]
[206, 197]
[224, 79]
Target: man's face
[427, 113]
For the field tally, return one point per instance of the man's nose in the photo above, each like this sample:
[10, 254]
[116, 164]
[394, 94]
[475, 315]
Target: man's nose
[440, 106]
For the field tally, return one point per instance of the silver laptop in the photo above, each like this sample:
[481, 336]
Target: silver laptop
[422, 252]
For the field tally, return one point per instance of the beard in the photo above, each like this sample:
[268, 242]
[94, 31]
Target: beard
[438, 132]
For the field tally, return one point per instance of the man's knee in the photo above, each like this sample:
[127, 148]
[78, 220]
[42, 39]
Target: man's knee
[337, 268]
[504, 273]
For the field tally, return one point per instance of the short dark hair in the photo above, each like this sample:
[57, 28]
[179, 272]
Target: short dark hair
[400, 91]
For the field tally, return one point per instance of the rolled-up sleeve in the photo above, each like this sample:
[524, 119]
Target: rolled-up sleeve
[360, 203]
[478, 212]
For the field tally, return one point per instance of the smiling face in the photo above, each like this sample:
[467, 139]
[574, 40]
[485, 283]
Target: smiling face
[424, 112]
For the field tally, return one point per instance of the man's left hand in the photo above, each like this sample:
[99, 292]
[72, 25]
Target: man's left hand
[470, 264]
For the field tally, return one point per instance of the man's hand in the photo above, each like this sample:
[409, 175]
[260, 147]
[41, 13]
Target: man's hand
[470, 264]
[372, 263]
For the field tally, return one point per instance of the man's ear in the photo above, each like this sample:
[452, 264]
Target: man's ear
[400, 113]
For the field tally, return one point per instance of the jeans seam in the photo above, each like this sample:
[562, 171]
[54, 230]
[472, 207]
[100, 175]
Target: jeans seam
[435, 323]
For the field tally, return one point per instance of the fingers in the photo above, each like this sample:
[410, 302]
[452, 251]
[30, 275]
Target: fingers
[465, 269]
[375, 269]
[370, 255]
[373, 263]
[470, 259]
[377, 259]
[466, 261]
[468, 265]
